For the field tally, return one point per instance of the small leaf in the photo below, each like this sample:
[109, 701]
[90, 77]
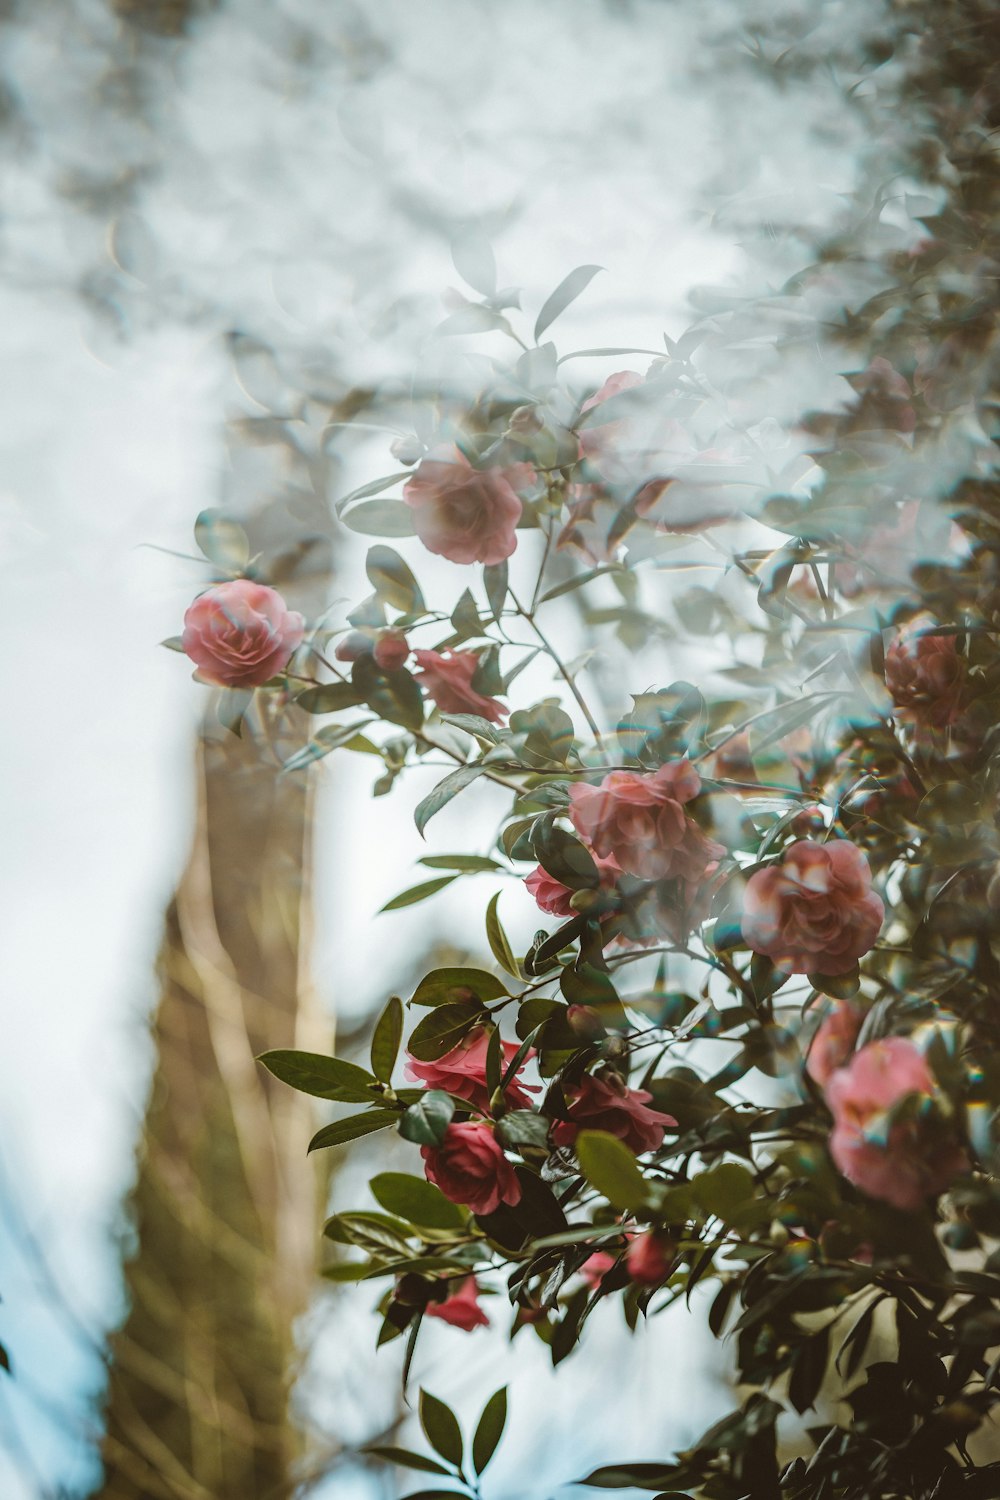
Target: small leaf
[173, 643]
[380, 518]
[471, 864]
[465, 617]
[457, 985]
[442, 794]
[416, 1201]
[441, 1427]
[331, 737]
[610, 1167]
[222, 540]
[418, 893]
[312, 1073]
[443, 1029]
[566, 292]
[497, 939]
[495, 583]
[353, 1127]
[373, 487]
[393, 581]
[386, 1038]
[490, 1429]
[426, 1121]
[407, 1460]
[329, 698]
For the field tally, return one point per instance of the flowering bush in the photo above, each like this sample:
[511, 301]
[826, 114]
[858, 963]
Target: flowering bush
[753, 1051]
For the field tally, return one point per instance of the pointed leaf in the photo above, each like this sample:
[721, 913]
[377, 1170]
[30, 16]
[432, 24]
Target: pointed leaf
[417, 893]
[416, 1201]
[442, 794]
[441, 1427]
[490, 1429]
[386, 1039]
[352, 1128]
[497, 939]
[566, 292]
[610, 1167]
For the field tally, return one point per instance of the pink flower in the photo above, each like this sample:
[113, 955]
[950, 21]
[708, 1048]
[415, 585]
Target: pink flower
[608, 1104]
[815, 911]
[552, 896]
[447, 677]
[391, 650]
[917, 1157]
[469, 1167]
[650, 1258]
[639, 820]
[833, 1043]
[462, 1071]
[240, 634]
[595, 1266]
[462, 1308]
[926, 677]
[464, 514]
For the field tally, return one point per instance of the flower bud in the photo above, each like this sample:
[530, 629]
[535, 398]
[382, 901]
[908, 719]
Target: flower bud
[586, 900]
[407, 450]
[391, 650]
[650, 1258]
[525, 419]
[354, 645]
[412, 1291]
[586, 1022]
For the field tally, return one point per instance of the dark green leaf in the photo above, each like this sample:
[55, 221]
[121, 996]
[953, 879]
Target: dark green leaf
[455, 985]
[418, 892]
[312, 1073]
[416, 1201]
[442, 794]
[566, 292]
[386, 1039]
[425, 1122]
[610, 1167]
[352, 1128]
[441, 1428]
[443, 1029]
[495, 583]
[394, 696]
[497, 939]
[490, 1429]
[329, 698]
[407, 1460]
[466, 863]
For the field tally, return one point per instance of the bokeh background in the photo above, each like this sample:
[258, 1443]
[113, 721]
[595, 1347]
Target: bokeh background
[224, 225]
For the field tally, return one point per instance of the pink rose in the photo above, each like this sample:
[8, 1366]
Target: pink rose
[469, 1167]
[926, 677]
[464, 514]
[552, 896]
[608, 1104]
[917, 1158]
[650, 1258]
[240, 634]
[462, 1071]
[596, 1266]
[447, 678]
[462, 1308]
[815, 911]
[391, 650]
[639, 819]
[833, 1043]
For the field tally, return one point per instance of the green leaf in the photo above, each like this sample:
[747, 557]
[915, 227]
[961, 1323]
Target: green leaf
[495, 583]
[765, 979]
[353, 1128]
[441, 1428]
[443, 1029]
[380, 518]
[490, 1429]
[442, 794]
[566, 292]
[470, 864]
[456, 985]
[386, 1039]
[569, 584]
[426, 1120]
[631, 1476]
[173, 643]
[725, 1191]
[222, 540]
[838, 986]
[465, 617]
[393, 581]
[407, 1460]
[497, 939]
[329, 698]
[373, 487]
[394, 696]
[331, 737]
[313, 1073]
[610, 1167]
[416, 1201]
[418, 893]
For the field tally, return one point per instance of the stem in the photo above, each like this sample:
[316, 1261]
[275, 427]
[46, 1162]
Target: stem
[551, 652]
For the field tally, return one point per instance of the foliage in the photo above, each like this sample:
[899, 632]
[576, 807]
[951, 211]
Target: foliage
[763, 1015]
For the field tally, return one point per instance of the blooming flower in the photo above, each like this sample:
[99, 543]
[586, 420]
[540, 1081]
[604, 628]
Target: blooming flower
[469, 1167]
[814, 912]
[464, 514]
[915, 1158]
[447, 677]
[608, 1104]
[650, 1258]
[926, 677]
[554, 897]
[639, 820]
[462, 1071]
[833, 1043]
[240, 634]
[461, 1309]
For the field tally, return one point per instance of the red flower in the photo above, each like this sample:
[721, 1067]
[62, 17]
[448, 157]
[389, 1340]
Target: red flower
[926, 677]
[554, 897]
[814, 912]
[650, 1258]
[469, 1167]
[464, 514]
[240, 634]
[916, 1158]
[639, 819]
[462, 1308]
[447, 677]
[608, 1104]
[462, 1071]
[595, 1266]
[833, 1043]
